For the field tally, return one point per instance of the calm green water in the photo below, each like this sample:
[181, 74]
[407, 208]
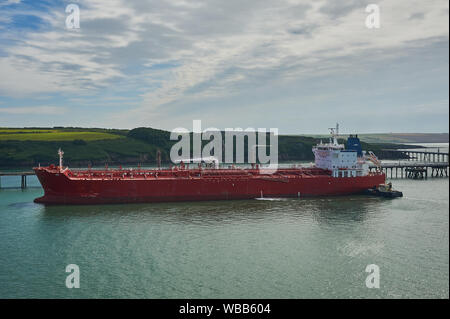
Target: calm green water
[294, 248]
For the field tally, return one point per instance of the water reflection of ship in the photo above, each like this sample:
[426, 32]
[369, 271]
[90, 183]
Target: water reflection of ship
[346, 210]
[321, 210]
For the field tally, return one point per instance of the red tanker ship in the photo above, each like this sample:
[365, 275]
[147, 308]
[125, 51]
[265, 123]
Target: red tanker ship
[338, 170]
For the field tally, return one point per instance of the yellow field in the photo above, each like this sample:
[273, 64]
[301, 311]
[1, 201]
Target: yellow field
[52, 135]
[26, 130]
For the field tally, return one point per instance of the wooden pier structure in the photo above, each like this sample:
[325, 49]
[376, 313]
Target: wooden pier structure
[23, 175]
[423, 156]
[415, 170]
[417, 165]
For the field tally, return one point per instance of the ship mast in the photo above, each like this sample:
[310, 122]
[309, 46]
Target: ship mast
[60, 153]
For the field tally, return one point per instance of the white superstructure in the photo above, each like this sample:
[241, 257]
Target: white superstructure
[340, 161]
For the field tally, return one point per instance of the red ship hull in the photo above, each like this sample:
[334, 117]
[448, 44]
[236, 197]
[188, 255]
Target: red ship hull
[139, 186]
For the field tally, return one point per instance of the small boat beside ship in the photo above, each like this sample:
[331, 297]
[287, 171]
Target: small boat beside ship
[384, 190]
[338, 170]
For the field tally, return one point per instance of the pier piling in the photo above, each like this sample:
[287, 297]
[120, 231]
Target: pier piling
[23, 177]
[415, 170]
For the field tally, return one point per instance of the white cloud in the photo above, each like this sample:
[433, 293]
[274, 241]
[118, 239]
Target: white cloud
[212, 47]
[48, 110]
[8, 2]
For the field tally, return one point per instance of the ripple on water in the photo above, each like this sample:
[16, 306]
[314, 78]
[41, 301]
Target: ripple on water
[290, 248]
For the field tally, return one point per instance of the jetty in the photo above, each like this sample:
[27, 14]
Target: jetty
[417, 165]
[22, 174]
[414, 170]
[422, 156]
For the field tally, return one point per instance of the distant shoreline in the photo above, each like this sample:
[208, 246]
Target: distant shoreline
[403, 138]
[29, 147]
[398, 138]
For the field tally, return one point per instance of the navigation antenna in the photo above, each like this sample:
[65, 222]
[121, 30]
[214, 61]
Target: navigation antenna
[334, 131]
[60, 153]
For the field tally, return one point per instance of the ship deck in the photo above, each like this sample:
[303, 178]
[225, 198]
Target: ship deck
[179, 173]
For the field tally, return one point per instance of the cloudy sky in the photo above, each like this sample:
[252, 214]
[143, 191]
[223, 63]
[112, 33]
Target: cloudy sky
[296, 65]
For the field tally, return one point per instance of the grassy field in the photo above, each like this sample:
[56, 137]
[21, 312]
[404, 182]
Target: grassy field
[46, 135]
[24, 130]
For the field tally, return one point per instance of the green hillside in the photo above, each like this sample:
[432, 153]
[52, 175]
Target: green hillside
[32, 146]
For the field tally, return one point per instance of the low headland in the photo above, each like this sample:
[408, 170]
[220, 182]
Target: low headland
[28, 147]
